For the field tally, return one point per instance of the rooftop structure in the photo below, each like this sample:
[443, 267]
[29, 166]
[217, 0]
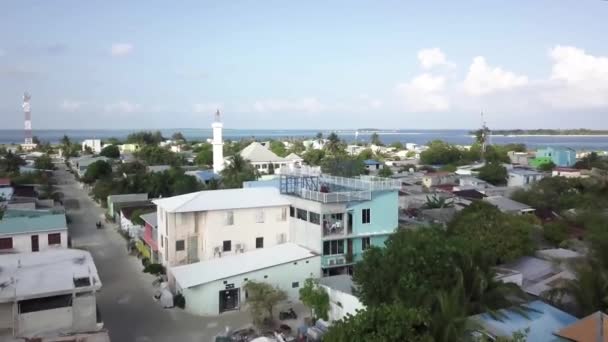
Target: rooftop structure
[508, 205]
[214, 269]
[53, 272]
[150, 218]
[29, 221]
[324, 188]
[223, 199]
[256, 153]
[593, 328]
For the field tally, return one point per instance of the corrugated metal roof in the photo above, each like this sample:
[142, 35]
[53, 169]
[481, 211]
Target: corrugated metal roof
[223, 199]
[150, 218]
[19, 224]
[214, 269]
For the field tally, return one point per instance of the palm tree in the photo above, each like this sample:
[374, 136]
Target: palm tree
[449, 315]
[588, 291]
[333, 143]
[237, 171]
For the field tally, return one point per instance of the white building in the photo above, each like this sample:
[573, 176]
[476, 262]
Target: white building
[214, 286]
[262, 158]
[218, 223]
[569, 173]
[439, 178]
[523, 177]
[218, 144]
[49, 293]
[93, 144]
[32, 231]
[342, 301]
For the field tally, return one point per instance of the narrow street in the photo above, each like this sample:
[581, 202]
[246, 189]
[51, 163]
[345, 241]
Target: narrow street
[126, 298]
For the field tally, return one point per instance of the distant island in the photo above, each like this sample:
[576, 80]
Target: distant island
[579, 131]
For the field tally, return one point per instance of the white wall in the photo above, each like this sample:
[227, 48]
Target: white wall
[127, 225]
[34, 323]
[204, 299]
[341, 304]
[23, 242]
[305, 233]
[94, 144]
[211, 230]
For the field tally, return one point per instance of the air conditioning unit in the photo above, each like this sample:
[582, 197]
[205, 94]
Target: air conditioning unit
[281, 238]
[340, 261]
[217, 251]
[239, 247]
[332, 262]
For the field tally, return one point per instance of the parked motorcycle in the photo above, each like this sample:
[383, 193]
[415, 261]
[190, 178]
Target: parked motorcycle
[289, 314]
[99, 225]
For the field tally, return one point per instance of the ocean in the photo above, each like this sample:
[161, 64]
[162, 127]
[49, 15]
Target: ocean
[460, 137]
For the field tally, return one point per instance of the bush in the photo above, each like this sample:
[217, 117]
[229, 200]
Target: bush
[145, 262]
[555, 232]
[155, 269]
[179, 301]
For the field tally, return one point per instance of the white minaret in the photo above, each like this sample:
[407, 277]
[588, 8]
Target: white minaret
[218, 144]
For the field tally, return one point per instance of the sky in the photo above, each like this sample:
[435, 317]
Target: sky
[305, 64]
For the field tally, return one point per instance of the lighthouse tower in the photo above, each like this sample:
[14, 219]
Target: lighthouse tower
[218, 144]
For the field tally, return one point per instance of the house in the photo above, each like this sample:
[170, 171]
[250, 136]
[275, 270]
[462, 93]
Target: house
[50, 293]
[128, 148]
[342, 301]
[509, 206]
[569, 172]
[216, 223]
[469, 170]
[263, 159]
[340, 217]
[295, 159]
[533, 274]
[593, 328]
[439, 178]
[126, 214]
[560, 156]
[372, 165]
[520, 158]
[204, 176]
[32, 231]
[93, 144]
[542, 323]
[112, 200]
[213, 286]
[150, 234]
[470, 182]
[523, 177]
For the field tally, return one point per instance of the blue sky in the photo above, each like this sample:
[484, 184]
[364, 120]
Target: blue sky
[306, 64]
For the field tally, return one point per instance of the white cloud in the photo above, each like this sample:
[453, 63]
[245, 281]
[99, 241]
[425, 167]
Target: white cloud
[302, 105]
[71, 105]
[484, 79]
[121, 49]
[430, 58]
[424, 93]
[125, 107]
[208, 108]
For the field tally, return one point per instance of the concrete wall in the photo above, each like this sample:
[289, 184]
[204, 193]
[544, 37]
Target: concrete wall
[23, 242]
[6, 316]
[84, 313]
[204, 299]
[308, 234]
[341, 304]
[384, 210]
[210, 230]
[35, 323]
[517, 180]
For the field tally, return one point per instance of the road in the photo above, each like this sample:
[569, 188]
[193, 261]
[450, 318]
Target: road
[125, 300]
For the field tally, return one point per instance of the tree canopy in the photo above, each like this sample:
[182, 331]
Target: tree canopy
[278, 148]
[316, 298]
[97, 170]
[262, 298]
[237, 171]
[314, 157]
[44, 162]
[375, 139]
[145, 138]
[343, 166]
[178, 136]
[204, 155]
[110, 151]
[385, 171]
[155, 155]
[493, 173]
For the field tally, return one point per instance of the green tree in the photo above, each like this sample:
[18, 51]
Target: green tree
[297, 147]
[178, 136]
[155, 155]
[410, 154]
[316, 298]
[385, 171]
[44, 162]
[375, 139]
[366, 154]
[439, 153]
[110, 151]
[483, 225]
[493, 173]
[555, 232]
[237, 171]
[437, 202]
[385, 323]
[278, 148]
[314, 157]
[97, 170]
[145, 138]
[11, 163]
[204, 155]
[547, 167]
[397, 145]
[343, 166]
[334, 145]
[136, 216]
[262, 299]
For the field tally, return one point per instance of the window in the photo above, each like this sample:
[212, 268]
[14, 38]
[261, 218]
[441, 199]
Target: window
[292, 211]
[264, 166]
[314, 218]
[6, 243]
[259, 242]
[54, 239]
[265, 277]
[179, 218]
[365, 243]
[302, 214]
[283, 214]
[295, 284]
[366, 216]
[257, 166]
[333, 247]
[180, 245]
[161, 241]
[276, 166]
[229, 218]
[259, 216]
[227, 246]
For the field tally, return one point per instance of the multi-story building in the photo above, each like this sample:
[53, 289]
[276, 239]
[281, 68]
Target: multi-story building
[560, 156]
[218, 223]
[32, 231]
[340, 217]
[93, 144]
[48, 294]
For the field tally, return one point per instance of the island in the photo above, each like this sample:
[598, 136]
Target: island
[578, 131]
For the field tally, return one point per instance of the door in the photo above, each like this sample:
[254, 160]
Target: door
[349, 223]
[35, 247]
[229, 300]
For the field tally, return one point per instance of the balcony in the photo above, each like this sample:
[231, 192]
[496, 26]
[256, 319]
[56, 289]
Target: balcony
[333, 225]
